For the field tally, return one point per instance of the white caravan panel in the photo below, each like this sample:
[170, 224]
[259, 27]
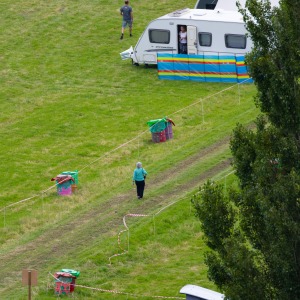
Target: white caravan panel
[150, 58]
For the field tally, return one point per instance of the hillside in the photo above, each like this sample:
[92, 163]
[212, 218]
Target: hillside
[68, 102]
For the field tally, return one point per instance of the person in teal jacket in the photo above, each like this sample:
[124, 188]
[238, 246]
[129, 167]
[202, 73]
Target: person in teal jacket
[139, 176]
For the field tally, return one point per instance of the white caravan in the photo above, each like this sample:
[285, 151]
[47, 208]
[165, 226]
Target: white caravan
[215, 31]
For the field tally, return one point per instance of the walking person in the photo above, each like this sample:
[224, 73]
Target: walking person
[182, 40]
[126, 12]
[139, 176]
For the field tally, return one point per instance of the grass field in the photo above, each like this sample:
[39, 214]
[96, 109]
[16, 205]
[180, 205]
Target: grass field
[68, 102]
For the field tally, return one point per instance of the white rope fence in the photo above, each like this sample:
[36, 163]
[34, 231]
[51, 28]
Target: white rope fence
[124, 251]
[116, 291]
[125, 144]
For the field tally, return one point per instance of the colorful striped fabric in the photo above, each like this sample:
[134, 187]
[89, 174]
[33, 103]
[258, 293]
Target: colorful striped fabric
[213, 67]
[242, 71]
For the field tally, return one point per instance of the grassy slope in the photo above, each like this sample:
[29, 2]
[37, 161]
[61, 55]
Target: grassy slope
[66, 99]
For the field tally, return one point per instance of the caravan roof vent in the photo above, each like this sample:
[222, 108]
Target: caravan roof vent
[178, 13]
[200, 14]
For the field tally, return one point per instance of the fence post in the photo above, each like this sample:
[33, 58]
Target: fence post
[43, 202]
[128, 235]
[4, 215]
[239, 94]
[202, 111]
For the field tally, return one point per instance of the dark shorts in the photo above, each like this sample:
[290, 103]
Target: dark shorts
[126, 22]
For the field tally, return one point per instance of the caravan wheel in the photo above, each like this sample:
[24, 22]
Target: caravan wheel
[134, 64]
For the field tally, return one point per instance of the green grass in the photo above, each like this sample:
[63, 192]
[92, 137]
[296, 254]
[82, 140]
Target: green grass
[68, 102]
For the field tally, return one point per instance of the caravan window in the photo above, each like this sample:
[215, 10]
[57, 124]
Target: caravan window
[159, 36]
[205, 39]
[235, 41]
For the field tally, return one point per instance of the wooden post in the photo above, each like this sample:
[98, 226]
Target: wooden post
[29, 277]
[29, 284]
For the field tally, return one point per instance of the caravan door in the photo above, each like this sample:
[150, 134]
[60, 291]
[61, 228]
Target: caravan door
[192, 39]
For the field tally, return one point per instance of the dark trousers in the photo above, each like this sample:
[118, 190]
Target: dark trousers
[183, 48]
[140, 185]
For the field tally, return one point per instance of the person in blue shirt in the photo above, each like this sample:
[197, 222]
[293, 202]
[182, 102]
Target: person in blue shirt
[126, 13]
[139, 176]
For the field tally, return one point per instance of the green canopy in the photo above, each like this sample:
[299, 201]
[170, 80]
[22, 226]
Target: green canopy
[72, 272]
[157, 125]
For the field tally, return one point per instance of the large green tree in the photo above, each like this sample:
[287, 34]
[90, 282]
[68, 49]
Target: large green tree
[253, 231]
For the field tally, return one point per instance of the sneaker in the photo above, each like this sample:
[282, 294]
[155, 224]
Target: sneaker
[130, 34]
[121, 38]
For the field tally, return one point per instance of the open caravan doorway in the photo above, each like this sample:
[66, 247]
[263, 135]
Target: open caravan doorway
[187, 39]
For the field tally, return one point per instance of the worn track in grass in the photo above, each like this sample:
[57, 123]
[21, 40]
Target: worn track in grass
[104, 219]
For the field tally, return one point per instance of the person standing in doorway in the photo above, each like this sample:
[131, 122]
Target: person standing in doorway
[182, 40]
[139, 176]
[126, 12]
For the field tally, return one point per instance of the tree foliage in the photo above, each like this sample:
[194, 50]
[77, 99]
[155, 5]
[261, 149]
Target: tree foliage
[254, 231]
[274, 61]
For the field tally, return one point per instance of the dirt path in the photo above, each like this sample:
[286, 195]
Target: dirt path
[105, 218]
